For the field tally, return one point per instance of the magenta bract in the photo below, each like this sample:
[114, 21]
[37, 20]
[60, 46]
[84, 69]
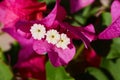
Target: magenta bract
[76, 5]
[113, 31]
[54, 20]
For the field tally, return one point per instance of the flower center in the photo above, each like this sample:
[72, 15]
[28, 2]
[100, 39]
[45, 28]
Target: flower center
[38, 30]
[52, 36]
[61, 40]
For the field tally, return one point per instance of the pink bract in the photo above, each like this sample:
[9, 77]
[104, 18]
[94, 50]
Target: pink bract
[9, 17]
[54, 20]
[10, 12]
[34, 67]
[30, 10]
[76, 5]
[91, 57]
[113, 31]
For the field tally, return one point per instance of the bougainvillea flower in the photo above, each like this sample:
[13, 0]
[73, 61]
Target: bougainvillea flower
[113, 30]
[31, 9]
[54, 36]
[79, 4]
[29, 64]
[91, 57]
[8, 16]
[11, 10]
[7, 7]
[34, 67]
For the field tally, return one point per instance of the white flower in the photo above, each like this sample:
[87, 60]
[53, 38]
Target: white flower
[63, 42]
[38, 31]
[52, 36]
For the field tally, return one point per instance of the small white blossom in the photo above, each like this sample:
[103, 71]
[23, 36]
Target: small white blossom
[63, 42]
[38, 31]
[52, 36]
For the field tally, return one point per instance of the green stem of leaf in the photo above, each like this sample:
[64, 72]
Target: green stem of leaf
[79, 51]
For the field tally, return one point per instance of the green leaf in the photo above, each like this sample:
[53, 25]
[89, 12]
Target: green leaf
[41, 0]
[83, 15]
[106, 17]
[1, 55]
[78, 20]
[86, 11]
[94, 10]
[115, 49]
[50, 1]
[56, 73]
[5, 72]
[113, 66]
[97, 73]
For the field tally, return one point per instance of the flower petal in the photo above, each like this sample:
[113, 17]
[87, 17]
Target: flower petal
[48, 20]
[86, 34]
[30, 9]
[26, 44]
[115, 10]
[61, 13]
[41, 46]
[25, 52]
[24, 25]
[6, 15]
[17, 36]
[89, 32]
[91, 57]
[58, 13]
[113, 31]
[59, 57]
[34, 67]
[2, 11]
[79, 4]
[29, 64]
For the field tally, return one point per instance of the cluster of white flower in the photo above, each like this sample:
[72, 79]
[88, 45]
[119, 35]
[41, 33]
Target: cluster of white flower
[38, 32]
